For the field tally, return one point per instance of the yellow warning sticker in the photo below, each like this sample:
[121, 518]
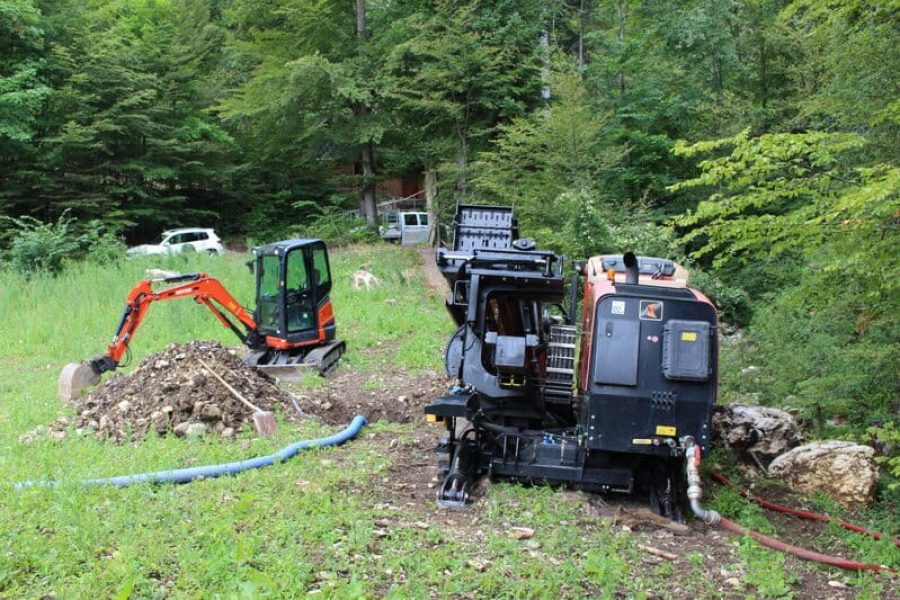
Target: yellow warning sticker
[688, 336]
[641, 441]
[665, 430]
[433, 418]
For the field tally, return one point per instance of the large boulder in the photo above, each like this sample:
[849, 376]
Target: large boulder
[767, 432]
[846, 471]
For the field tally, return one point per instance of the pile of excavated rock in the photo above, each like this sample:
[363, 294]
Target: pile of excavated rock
[173, 393]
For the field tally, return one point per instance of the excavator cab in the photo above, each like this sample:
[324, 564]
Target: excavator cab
[293, 283]
[294, 315]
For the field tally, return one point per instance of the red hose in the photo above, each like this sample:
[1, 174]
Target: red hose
[796, 512]
[803, 553]
[713, 518]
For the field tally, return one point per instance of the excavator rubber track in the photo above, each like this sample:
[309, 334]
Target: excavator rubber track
[291, 366]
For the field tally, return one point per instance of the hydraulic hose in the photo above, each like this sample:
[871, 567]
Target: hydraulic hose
[796, 512]
[834, 561]
[711, 517]
[211, 471]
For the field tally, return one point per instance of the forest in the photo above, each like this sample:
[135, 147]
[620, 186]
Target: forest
[756, 141]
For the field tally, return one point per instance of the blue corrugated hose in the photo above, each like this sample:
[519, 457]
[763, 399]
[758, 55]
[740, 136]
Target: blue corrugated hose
[210, 471]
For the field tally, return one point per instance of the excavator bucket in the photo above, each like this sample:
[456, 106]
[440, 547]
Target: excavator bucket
[74, 378]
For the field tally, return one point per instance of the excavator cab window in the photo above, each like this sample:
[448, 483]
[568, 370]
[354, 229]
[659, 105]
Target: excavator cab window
[267, 302]
[299, 301]
[321, 271]
[290, 286]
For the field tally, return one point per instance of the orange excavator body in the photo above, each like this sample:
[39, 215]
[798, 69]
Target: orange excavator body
[293, 325]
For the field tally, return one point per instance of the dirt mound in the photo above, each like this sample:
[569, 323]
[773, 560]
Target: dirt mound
[172, 392]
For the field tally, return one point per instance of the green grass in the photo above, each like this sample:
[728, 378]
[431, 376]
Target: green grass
[303, 527]
[767, 572]
[402, 314]
[764, 570]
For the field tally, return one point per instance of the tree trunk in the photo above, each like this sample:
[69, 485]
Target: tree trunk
[368, 184]
[434, 234]
[367, 152]
[462, 167]
[545, 65]
[361, 21]
[360, 188]
[622, 10]
[764, 75]
[581, 17]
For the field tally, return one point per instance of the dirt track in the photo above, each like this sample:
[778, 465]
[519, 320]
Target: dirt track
[434, 278]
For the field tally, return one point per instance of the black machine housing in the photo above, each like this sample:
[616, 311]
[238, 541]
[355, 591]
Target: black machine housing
[600, 404]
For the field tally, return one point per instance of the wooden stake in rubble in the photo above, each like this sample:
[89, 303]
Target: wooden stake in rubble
[263, 420]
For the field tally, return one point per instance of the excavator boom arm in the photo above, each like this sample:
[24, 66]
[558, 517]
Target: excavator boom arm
[199, 286]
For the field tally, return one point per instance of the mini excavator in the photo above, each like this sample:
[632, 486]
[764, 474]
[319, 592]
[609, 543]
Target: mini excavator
[292, 328]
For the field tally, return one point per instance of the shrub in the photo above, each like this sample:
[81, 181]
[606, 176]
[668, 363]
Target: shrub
[101, 243]
[584, 231]
[584, 223]
[340, 229]
[39, 247]
[827, 344]
[889, 436]
[732, 301]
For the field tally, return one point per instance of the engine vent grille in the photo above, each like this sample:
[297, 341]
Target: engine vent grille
[560, 364]
[663, 400]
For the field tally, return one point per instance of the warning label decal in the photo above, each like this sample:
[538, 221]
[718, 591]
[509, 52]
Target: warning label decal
[651, 310]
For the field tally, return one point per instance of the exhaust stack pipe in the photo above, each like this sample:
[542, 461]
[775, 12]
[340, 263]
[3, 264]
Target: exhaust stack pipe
[632, 272]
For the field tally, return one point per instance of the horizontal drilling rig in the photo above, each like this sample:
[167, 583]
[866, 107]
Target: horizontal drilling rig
[605, 402]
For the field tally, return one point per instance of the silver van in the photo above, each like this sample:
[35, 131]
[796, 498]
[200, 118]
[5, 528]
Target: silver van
[405, 228]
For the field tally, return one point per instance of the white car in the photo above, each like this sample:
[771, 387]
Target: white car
[188, 239]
